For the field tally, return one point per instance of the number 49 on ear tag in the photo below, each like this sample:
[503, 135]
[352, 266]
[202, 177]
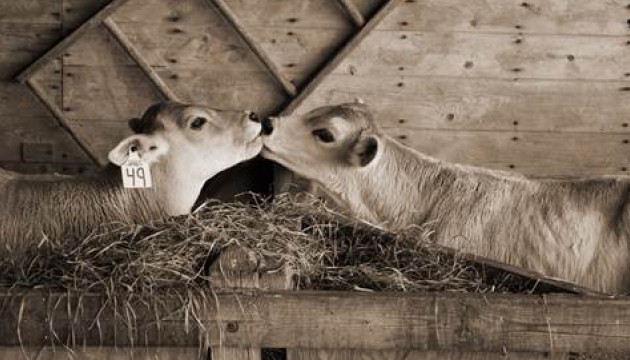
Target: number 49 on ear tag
[135, 172]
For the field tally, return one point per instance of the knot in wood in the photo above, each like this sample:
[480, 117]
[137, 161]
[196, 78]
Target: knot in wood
[231, 326]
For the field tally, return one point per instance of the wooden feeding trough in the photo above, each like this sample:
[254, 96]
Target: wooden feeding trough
[252, 308]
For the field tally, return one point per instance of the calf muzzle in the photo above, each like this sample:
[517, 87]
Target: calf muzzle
[267, 126]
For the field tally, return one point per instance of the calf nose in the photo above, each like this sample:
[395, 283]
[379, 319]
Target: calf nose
[267, 125]
[253, 117]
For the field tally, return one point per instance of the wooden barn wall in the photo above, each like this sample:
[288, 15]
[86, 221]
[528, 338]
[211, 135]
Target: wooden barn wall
[540, 87]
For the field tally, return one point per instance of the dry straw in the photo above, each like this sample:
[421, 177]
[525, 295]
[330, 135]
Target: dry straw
[132, 264]
[326, 249]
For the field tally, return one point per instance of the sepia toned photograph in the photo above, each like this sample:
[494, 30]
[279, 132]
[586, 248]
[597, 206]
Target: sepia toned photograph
[315, 179]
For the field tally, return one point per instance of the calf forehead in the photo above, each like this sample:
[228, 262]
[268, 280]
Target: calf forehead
[353, 113]
[162, 116]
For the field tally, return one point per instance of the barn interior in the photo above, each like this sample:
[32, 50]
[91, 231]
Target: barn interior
[535, 87]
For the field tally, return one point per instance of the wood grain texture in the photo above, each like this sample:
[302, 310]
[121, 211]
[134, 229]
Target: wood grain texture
[298, 36]
[531, 153]
[67, 41]
[340, 56]
[253, 46]
[106, 93]
[209, 46]
[334, 320]
[584, 17]
[414, 355]
[490, 56]
[297, 14]
[226, 89]
[22, 43]
[237, 269]
[102, 136]
[300, 52]
[139, 59]
[103, 353]
[61, 119]
[483, 104]
[30, 11]
[37, 130]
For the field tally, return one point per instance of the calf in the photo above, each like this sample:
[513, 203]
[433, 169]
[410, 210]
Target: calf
[183, 146]
[572, 229]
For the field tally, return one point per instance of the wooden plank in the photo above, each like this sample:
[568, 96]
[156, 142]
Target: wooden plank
[322, 14]
[49, 78]
[335, 320]
[102, 135]
[133, 52]
[483, 104]
[16, 102]
[76, 12]
[30, 11]
[490, 56]
[103, 353]
[253, 46]
[352, 11]
[226, 89]
[531, 153]
[340, 56]
[60, 117]
[239, 268]
[301, 52]
[123, 93]
[15, 131]
[414, 355]
[212, 46]
[22, 43]
[175, 12]
[61, 46]
[74, 168]
[439, 321]
[511, 16]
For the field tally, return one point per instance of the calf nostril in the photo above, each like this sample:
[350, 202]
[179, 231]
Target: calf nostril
[254, 117]
[267, 126]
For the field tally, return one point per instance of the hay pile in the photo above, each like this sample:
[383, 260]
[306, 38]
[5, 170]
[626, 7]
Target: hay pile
[327, 250]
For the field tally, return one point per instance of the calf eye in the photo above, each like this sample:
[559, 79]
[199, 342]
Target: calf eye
[324, 135]
[198, 123]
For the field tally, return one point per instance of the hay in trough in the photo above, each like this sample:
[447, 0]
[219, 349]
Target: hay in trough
[133, 264]
[326, 249]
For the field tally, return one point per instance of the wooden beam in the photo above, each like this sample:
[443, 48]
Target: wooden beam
[61, 46]
[352, 11]
[133, 52]
[60, 118]
[232, 19]
[324, 320]
[340, 56]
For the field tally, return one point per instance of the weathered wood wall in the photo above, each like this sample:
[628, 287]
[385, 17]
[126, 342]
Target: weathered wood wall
[539, 87]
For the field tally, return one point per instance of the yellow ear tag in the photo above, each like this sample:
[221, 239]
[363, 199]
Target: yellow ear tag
[135, 172]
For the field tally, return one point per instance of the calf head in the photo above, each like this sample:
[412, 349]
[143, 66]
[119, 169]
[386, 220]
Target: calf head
[325, 144]
[185, 145]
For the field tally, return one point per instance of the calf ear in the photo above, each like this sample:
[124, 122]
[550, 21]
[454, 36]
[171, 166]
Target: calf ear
[364, 151]
[149, 149]
[135, 124]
